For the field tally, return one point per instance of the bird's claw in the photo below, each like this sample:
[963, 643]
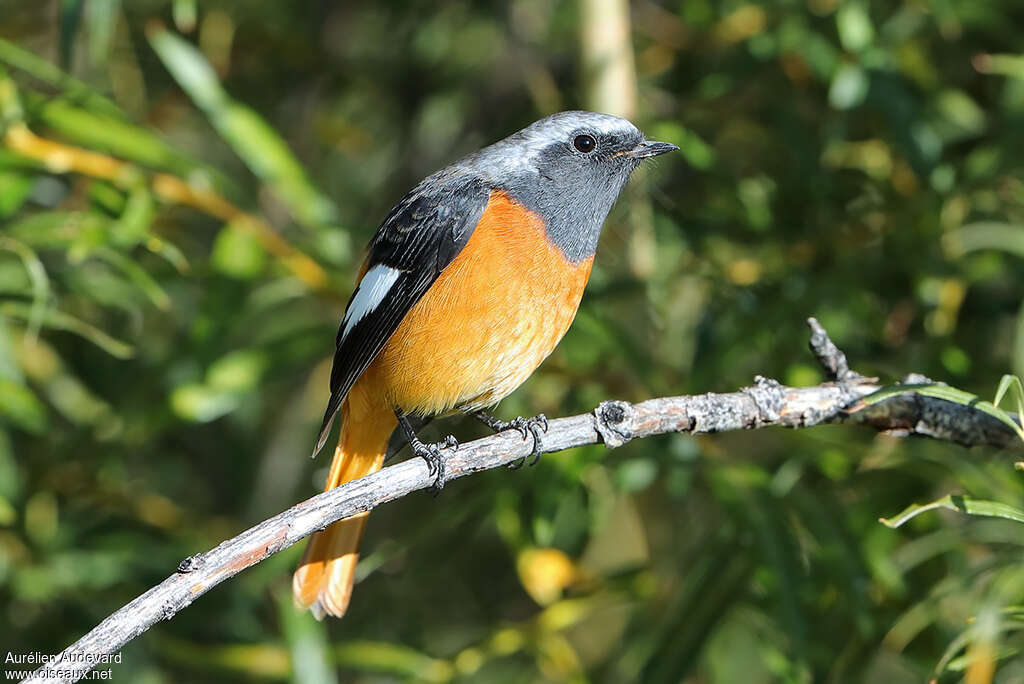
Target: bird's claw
[529, 426]
[431, 453]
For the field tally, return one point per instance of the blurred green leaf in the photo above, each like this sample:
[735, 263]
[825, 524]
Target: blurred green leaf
[101, 18]
[849, 87]
[47, 229]
[393, 659]
[100, 131]
[19, 406]
[14, 190]
[261, 660]
[962, 504]
[259, 146]
[59, 320]
[50, 74]
[37, 275]
[70, 20]
[307, 643]
[42, 518]
[201, 403]
[227, 380]
[1006, 65]
[10, 102]
[636, 475]
[239, 371]
[237, 253]
[855, 29]
[168, 252]
[1007, 237]
[107, 197]
[185, 13]
[136, 275]
[698, 153]
[960, 117]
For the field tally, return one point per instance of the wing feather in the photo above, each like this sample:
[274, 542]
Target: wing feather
[421, 235]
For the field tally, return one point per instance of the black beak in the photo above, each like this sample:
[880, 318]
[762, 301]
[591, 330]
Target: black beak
[650, 148]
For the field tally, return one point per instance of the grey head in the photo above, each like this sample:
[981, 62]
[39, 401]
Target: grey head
[568, 168]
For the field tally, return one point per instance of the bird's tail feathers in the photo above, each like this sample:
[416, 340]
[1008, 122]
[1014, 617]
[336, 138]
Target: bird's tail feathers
[323, 581]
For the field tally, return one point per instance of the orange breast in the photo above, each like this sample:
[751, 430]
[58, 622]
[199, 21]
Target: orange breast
[488, 321]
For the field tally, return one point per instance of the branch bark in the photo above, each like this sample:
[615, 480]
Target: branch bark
[613, 423]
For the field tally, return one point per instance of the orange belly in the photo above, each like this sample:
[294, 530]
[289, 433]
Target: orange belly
[495, 312]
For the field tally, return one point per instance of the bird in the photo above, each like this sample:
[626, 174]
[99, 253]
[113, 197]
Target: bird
[469, 283]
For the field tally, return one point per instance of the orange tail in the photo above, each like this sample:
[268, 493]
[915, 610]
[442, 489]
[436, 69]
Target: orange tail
[324, 578]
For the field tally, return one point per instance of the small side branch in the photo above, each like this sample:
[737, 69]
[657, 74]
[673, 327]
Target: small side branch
[828, 354]
[613, 423]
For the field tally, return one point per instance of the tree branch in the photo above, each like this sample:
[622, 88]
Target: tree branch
[612, 423]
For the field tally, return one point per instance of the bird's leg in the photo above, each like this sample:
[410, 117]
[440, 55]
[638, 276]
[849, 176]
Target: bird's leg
[431, 453]
[526, 426]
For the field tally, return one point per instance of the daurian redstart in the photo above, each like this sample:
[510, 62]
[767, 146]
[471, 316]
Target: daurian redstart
[470, 282]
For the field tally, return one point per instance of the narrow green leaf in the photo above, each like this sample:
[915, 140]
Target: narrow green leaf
[9, 367]
[101, 21]
[307, 642]
[185, 14]
[40, 282]
[125, 140]
[961, 663]
[20, 407]
[58, 320]
[1005, 384]
[132, 226]
[10, 484]
[46, 72]
[254, 661]
[947, 393]
[956, 502]
[11, 161]
[1006, 237]
[137, 275]
[70, 20]
[15, 188]
[394, 659]
[963, 640]
[1004, 65]
[107, 197]
[10, 101]
[48, 229]
[169, 252]
[252, 139]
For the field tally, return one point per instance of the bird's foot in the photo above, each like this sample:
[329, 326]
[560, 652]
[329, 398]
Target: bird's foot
[526, 426]
[429, 452]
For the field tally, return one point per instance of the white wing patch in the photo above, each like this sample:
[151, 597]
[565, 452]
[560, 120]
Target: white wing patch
[371, 290]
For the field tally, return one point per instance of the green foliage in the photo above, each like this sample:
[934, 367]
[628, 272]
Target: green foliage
[957, 396]
[176, 176]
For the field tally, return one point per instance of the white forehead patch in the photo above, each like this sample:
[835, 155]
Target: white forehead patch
[370, 292]
[560, 126]
[553, 129]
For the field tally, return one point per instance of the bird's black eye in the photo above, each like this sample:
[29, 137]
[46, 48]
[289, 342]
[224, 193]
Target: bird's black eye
[584, 143]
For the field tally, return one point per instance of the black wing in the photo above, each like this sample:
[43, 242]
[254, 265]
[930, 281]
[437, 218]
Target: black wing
[418, 238]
